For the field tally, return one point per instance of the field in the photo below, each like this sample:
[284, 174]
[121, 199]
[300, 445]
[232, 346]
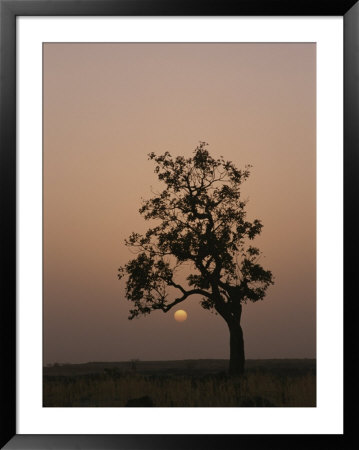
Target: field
[191, 383]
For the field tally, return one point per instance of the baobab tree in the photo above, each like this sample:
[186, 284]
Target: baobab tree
[199, 220]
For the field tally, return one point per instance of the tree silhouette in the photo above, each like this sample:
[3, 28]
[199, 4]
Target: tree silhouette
[201, 221]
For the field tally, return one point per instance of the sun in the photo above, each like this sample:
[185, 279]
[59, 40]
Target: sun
[180, 315]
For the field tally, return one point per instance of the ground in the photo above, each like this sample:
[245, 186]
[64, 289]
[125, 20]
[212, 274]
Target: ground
[269, 383]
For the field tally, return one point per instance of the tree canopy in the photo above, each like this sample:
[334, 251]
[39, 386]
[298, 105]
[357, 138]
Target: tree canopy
[199, 218]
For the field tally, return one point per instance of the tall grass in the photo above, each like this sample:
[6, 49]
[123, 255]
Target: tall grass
[115, 389]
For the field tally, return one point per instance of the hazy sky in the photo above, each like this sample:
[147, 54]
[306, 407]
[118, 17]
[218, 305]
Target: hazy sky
[106, 106]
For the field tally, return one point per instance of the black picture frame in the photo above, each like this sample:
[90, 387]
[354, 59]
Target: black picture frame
[9, 10]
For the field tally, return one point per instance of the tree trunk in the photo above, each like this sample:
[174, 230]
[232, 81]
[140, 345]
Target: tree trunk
[236, 360]
[232, 313]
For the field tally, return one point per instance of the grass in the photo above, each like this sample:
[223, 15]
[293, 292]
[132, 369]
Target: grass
[113, 388]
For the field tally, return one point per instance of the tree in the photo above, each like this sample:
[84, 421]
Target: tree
[200, 220]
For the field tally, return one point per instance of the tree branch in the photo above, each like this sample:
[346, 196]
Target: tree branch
[166, 308]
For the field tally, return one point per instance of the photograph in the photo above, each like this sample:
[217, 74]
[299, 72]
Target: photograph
[179, 224]
[178, 193]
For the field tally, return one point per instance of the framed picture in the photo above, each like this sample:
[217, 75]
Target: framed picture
[212, 121]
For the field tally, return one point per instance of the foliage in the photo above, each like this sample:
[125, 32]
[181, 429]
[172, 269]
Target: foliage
[200, 219]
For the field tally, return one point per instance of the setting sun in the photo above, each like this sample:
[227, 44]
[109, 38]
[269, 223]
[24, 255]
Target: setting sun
[180, 315]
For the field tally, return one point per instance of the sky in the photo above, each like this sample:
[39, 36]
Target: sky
[105, 107]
